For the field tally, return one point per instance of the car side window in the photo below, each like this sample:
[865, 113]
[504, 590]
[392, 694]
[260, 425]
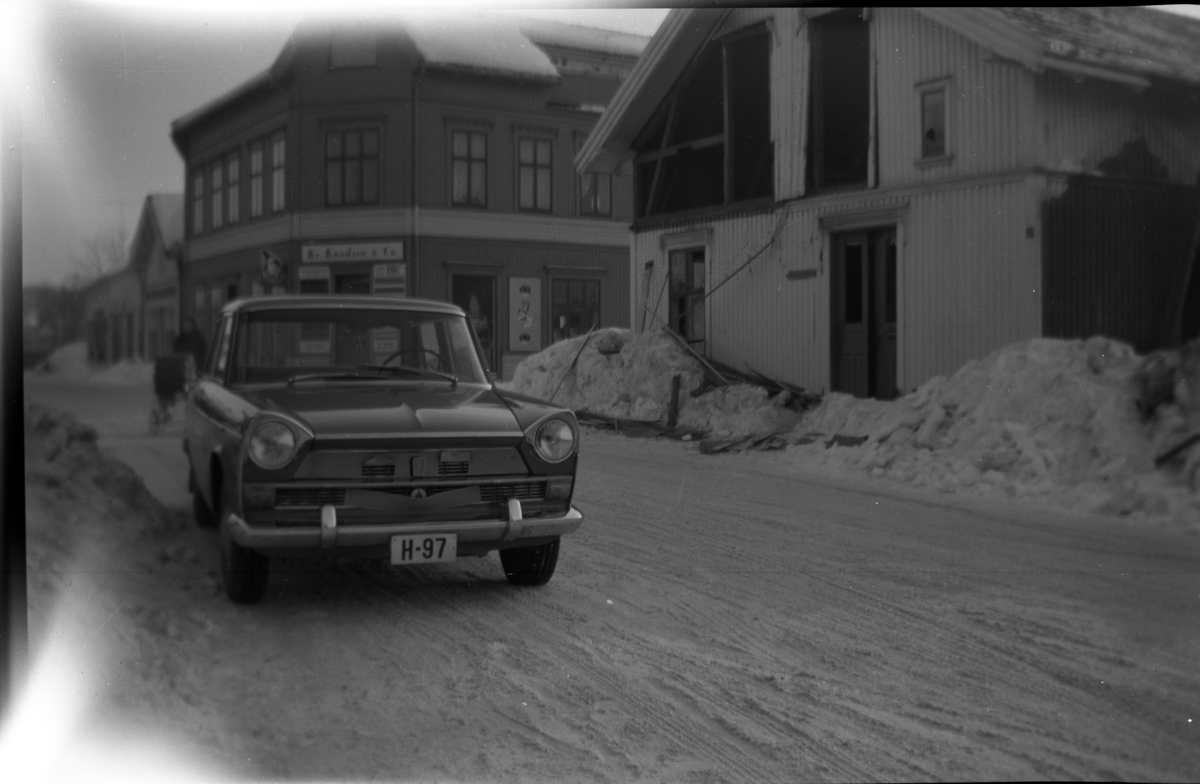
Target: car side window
[219, 357]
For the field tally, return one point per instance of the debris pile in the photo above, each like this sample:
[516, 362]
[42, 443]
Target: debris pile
[625, 379]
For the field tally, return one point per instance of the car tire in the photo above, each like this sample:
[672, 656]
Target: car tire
[200, 510]
[529, 566]
[244, 572]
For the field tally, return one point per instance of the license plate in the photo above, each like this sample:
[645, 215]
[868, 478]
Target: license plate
[424, 548]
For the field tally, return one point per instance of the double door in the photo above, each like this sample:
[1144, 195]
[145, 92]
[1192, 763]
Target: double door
[864, 314]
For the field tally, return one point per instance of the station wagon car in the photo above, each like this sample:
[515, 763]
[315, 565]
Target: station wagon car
[356, 426]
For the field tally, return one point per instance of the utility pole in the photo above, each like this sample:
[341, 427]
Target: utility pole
[14, 612]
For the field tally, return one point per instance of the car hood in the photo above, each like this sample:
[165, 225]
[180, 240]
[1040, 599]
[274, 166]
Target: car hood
[391, 409]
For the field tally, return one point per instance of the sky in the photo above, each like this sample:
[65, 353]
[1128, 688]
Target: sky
[100, 84]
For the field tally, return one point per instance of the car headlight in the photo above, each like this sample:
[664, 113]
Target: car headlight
[554, 440]
[272, 444]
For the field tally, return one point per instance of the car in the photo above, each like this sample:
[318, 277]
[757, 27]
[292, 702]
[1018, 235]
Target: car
[370, 427]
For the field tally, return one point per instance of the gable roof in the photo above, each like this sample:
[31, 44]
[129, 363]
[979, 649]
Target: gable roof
[168, 214]
[1131, 46]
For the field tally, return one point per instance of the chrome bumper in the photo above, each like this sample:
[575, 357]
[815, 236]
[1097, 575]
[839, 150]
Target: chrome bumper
[330, 535]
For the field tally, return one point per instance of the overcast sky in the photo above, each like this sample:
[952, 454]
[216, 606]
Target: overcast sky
[101, 83]
[104, 84]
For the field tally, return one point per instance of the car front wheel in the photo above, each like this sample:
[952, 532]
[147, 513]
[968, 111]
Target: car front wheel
[530, 565]
[244, 572]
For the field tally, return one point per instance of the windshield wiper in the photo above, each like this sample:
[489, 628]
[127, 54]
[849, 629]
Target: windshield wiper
[332, 377]
[412, 371]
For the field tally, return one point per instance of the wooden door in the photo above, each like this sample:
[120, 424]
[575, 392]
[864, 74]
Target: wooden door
[864, 314]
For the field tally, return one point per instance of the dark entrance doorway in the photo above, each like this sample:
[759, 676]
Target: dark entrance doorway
[864, 313]
[476, 294]
[353, 283]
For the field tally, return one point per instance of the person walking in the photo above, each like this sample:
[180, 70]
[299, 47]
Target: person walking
[190, 341]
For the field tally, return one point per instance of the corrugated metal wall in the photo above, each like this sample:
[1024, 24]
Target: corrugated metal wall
[985, 114]
[1088, 121]
[1114, 260]
[968, 280]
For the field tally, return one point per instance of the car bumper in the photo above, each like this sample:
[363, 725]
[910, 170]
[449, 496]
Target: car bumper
[332, 536]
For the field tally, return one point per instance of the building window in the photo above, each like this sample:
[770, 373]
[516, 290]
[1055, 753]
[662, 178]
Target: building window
[574, 307]
[933, 122]
[218, 193]
[595, 194]
[198, 201]
[697, 151]
[352, 167]
[840, 108]
[278, 181]
[233, 177]
[468, 169]
[533, 172]
[686, 292]
[256, 180]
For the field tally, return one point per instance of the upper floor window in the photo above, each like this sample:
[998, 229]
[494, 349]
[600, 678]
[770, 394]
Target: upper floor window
[233, 183]
[278, 182]
[256, 179]
[533, 174]
[840, 108]
[218, 193]
[352, 167]
[198, 201]
[595, 194]
[352, 49]
[933, 121]
[697, 151]
[468, 169]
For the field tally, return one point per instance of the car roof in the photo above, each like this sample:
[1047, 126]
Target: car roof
[352, 301]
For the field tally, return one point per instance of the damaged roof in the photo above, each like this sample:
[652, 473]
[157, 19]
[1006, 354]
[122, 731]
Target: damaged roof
[1131, 46]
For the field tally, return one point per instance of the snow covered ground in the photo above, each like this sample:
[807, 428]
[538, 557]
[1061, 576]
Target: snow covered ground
[1050, 420]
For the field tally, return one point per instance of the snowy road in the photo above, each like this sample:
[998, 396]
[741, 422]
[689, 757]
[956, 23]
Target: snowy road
[716, 619]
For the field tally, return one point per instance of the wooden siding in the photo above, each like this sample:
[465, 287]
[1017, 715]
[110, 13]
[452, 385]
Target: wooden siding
[789, 101]
[968, 279]
[1085, 122]
[985, 115]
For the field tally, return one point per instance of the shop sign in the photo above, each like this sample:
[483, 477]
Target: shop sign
[377, 251]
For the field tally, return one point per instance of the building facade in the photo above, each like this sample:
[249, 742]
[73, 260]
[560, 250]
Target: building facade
[156, 255]
[859, 199]
[417, 159]
[112, 317]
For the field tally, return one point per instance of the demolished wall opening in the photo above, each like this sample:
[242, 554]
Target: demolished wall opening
[840, 108]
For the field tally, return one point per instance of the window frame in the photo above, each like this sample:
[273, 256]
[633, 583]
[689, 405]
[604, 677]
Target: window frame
[536, 140]
[923, 89]
[199, 195]
[278, 171]
[469, 161]
[216, 175]
[567, 277]
[364, 160]
[256, 155]
[233, 183]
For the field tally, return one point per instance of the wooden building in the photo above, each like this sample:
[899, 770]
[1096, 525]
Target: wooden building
[156, 254]
[860, 199]
[427, 158]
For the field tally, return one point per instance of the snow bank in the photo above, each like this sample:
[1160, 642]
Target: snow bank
[70, 361]
[1049, 418]
[628, 376]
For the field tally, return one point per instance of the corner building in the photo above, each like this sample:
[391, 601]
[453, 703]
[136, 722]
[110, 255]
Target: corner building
[418, 158]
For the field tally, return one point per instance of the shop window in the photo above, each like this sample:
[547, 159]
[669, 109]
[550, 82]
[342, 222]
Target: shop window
[278, 180]
[933, 122]
[840, 110]
[218, 195]
[574, 307]
[533, 173]
[697, 152]
[233, 182]
[468, 169]
[352, 167]
[198, 195]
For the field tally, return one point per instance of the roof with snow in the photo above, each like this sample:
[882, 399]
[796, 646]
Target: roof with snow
[1131, 46]
[484, 44]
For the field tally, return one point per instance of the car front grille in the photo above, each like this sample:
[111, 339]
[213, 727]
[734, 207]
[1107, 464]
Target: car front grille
[452, 469]
[336, 496]
[378, 471]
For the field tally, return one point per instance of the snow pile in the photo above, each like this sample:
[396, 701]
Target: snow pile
[1049, 418]
[628, 376]
[70, 361]
[126, 373]
[61, 457]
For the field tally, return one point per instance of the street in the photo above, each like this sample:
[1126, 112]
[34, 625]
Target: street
[716, 619]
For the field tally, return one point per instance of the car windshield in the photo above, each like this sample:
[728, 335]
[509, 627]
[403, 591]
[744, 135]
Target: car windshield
[273, 346]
